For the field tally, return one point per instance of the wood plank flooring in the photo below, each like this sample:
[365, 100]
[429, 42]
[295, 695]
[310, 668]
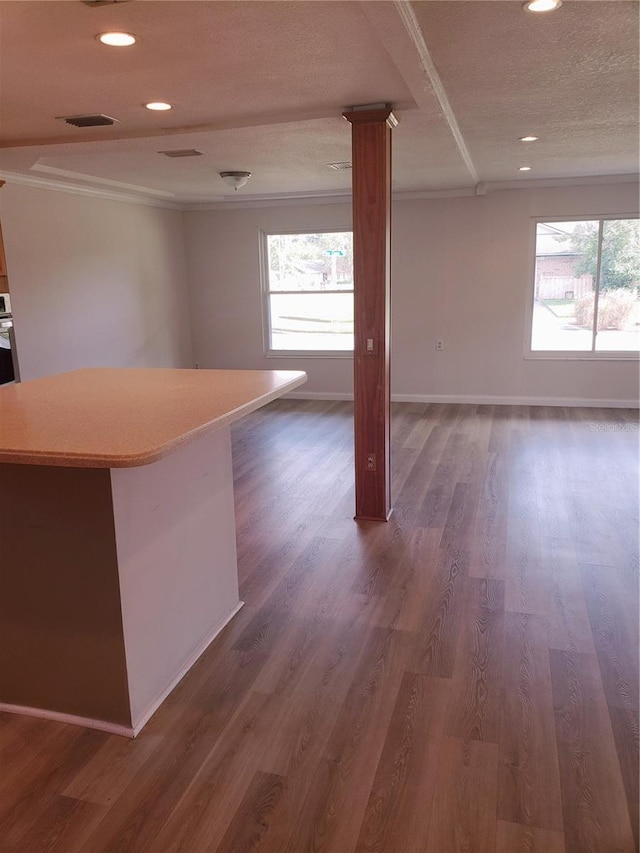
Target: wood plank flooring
[461, 679]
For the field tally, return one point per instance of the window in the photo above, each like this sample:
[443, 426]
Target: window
[587, 287]
[308, 293]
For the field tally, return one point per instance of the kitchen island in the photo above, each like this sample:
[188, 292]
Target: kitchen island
[117, 535]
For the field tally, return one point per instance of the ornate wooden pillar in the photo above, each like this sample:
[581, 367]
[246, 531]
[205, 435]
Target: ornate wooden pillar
[371, 158]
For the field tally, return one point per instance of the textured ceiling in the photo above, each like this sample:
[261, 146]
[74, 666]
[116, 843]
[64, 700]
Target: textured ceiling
[570, 77]
[261, 86]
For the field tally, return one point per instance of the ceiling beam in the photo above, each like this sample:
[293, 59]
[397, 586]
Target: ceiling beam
[398, 29]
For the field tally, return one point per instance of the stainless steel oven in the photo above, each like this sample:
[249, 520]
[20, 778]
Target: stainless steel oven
[8, 360]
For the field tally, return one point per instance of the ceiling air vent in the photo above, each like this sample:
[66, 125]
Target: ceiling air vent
[182, 152]
[102, 2]
[98, 120]
[340, 166]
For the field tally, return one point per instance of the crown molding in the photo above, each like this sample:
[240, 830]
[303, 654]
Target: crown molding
[309, 198]
[456, 192]
[272, 200]
[541, 183]
[341, 197]
[95, 180]
[344, 197]
[94, 192]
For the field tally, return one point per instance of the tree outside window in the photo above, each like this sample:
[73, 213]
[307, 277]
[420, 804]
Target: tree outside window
[587, 286]
[308, 291]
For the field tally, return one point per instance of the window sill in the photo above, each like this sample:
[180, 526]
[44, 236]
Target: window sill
[309, 354]
[553, 355]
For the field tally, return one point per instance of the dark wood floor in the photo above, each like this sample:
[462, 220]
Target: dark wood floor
[463, 678]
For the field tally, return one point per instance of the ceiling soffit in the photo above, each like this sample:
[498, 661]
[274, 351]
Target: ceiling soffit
[466, 79]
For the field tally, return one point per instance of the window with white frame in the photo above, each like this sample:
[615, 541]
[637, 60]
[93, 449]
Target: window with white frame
[308, 292]
[586, 296]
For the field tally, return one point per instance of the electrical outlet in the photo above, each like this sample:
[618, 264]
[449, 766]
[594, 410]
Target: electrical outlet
[439, 345]
[371, 461]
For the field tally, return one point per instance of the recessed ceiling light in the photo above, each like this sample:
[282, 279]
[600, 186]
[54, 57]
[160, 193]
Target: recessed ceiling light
[117, 39]
[528, 138]
[542, 5]
[158, 105]
[524, 169]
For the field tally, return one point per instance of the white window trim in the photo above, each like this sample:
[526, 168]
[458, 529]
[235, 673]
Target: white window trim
[566, 355]
[266, 293]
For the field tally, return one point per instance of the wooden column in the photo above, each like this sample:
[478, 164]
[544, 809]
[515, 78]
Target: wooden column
[371, 145]
[4, 281]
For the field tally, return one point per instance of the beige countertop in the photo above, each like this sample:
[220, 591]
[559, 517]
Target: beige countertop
[125, 417]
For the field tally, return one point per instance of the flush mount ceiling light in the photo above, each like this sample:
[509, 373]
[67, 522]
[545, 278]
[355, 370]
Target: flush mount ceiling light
[235, 179]
[542, 5]
[528, 138]
[117, 39]
[524, 169]
[158, 106]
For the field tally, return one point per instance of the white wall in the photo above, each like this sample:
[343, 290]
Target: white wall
[103, 283]
[461, 271]
[94, 282]
[225, 295]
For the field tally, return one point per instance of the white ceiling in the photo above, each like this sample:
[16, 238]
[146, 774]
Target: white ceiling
[261, 86]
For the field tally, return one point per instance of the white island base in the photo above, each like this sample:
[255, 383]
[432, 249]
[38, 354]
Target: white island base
[119, 580]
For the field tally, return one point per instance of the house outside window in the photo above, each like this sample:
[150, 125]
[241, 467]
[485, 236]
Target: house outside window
[586, 298]
[308, 293]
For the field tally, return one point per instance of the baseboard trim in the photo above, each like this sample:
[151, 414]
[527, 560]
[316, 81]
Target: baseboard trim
[489, 400]
[478, 399]
[116, 728]
[72, 719]
[316, 395]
